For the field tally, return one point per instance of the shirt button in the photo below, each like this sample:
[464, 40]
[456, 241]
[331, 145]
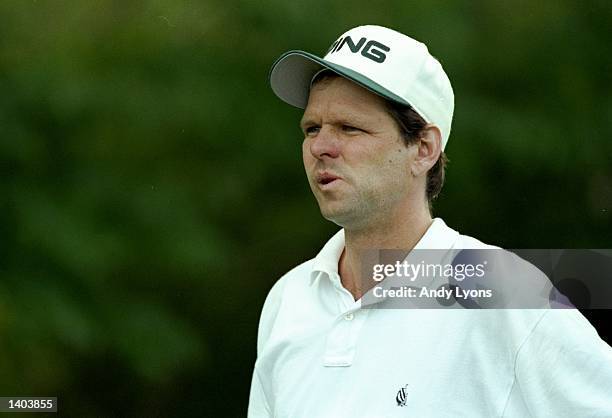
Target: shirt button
[349, 316]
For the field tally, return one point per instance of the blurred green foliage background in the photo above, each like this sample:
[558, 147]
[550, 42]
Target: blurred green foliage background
[152, 189]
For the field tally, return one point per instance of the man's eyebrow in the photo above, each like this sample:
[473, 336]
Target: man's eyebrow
[306, 121]
[339, 118]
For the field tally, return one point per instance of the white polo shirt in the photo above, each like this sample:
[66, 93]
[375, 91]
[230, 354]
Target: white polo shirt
[319, 354]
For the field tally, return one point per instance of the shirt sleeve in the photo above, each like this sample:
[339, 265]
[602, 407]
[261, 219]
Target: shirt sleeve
[258, 403]
[564, 369]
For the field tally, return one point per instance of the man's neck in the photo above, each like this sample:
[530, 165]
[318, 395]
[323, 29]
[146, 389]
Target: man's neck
[403, 235]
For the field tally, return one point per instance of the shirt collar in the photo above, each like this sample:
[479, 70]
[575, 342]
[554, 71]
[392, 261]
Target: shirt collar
[438, 236]
[329, 256]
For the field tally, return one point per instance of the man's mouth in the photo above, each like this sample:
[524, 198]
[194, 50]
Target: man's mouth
[326, 178]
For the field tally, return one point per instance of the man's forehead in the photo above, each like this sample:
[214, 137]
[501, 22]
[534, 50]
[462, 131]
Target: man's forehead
[339, 84]
[337, 112]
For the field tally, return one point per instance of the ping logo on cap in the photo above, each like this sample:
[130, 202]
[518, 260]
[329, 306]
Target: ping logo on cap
[373, 50]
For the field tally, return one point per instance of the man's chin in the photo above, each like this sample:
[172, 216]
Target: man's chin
[343, 218]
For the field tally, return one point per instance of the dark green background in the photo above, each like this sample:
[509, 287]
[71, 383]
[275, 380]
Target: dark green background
[152, 189]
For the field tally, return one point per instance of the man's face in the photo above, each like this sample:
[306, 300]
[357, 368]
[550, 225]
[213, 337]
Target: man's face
[356, 161]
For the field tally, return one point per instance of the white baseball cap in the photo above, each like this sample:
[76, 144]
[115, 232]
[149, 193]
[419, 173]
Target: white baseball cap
[380, 59]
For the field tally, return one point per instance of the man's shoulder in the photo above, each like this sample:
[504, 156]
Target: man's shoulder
[298, 276]
[441, 236]
[284, 292]
[299, 273]
[468, 242]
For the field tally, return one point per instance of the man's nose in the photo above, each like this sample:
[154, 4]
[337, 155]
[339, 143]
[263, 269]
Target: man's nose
[326, 143]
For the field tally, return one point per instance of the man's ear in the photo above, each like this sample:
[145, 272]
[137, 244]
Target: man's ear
[429, 148]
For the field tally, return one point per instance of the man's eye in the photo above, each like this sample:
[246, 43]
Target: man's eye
[311, 130]
[349, 128]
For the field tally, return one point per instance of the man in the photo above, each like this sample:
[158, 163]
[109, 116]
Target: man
[377, 117]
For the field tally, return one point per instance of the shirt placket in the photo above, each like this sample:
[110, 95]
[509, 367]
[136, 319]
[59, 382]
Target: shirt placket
[344, 332]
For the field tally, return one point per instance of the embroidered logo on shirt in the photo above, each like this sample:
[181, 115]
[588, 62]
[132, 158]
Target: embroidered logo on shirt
[401, 396]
